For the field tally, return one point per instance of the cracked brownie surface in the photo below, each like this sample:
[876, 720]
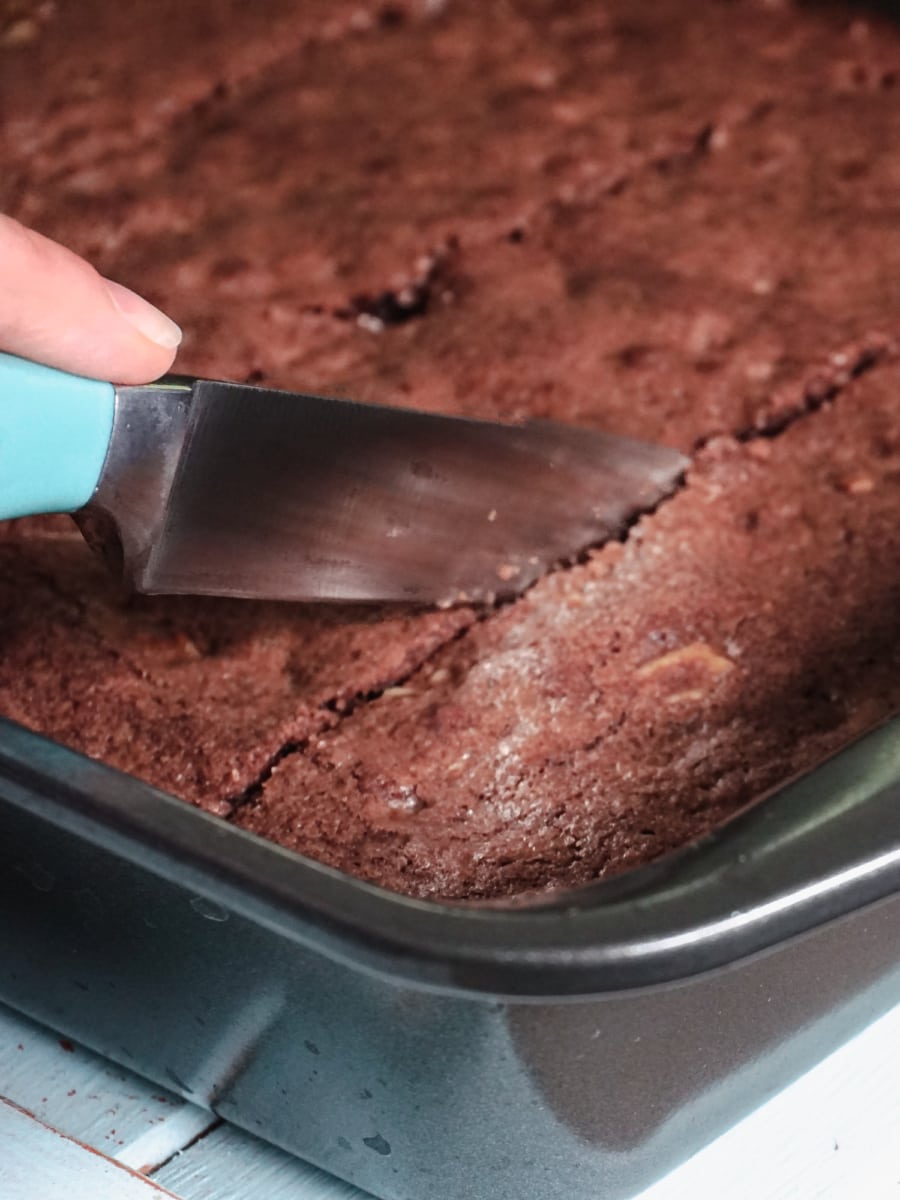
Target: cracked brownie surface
[668, 221]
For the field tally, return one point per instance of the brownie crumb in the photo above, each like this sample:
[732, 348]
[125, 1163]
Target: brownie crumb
[412, 299]
[392, 307]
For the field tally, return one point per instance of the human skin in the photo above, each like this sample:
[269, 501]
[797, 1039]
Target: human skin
[56, 309]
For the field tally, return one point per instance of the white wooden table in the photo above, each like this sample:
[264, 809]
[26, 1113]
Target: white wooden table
[834, 1135]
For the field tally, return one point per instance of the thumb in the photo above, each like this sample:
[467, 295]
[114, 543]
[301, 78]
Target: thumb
[56, 309]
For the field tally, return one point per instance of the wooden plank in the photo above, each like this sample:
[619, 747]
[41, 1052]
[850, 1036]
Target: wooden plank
[228, 1164]
[39, 1163]
[88, 1098]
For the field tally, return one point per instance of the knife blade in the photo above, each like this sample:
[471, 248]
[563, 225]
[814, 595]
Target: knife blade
[216, 488]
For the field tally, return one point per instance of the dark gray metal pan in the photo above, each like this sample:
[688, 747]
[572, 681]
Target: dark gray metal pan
[573, 1047]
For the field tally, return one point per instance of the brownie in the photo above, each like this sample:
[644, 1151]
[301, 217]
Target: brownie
[672, 221]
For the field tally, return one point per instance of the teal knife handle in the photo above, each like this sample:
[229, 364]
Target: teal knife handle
[54, 433]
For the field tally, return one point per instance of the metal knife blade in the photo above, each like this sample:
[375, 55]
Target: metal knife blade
[225, 489]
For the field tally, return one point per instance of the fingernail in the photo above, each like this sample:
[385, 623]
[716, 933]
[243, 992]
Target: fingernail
[149, 321]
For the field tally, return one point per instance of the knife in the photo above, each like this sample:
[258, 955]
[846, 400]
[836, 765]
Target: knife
[213, 488]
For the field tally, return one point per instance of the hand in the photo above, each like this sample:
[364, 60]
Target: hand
[56, 309]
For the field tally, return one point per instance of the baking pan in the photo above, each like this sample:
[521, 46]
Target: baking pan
[573, 1048]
